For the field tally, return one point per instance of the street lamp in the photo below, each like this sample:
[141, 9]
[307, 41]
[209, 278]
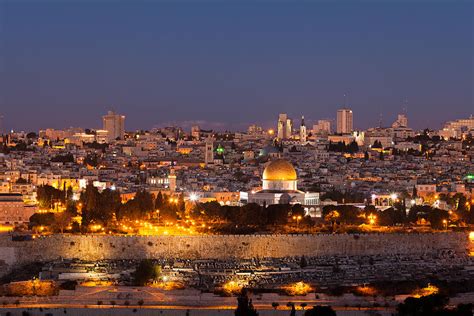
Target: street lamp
[445, 223]
[297, 218]
[372, 218]
[193, 197]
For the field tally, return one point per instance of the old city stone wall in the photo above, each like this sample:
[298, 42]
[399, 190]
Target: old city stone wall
[96, 247]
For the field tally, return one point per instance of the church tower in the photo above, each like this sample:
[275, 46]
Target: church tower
[209, 151]
[172, 180]
[303, 136]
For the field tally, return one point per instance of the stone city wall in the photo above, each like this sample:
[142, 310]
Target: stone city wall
[96, 247]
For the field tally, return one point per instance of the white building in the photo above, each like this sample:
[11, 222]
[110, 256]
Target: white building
[284, 126]
[303, 136]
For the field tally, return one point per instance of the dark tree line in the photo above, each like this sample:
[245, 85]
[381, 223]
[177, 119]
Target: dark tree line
[63, 158]
[48, 195]
[432, 305]
[248, 215]
[342, 147]
[99, 207]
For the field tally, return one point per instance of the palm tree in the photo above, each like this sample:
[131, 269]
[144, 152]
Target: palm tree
[275, 305]
[303, 305]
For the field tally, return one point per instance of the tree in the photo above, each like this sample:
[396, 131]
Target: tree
[159, 201]
[63, 158]
[42, 219]
[31, 135]
[98, 207]
[320, 311]
[435, 216]
[332, 217]
[353, 147]
[275, 305]
[391, 216]
[62, 220]
[377, 144]
[432, 305]
[47, 195]
[303, 262]
[139, 207]
[144, 272]
[245, 306]
[293, 310]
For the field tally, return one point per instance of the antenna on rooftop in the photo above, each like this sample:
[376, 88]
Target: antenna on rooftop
[405, 106]
[1, 124]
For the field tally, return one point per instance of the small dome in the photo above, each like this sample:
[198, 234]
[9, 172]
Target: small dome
[279, 170]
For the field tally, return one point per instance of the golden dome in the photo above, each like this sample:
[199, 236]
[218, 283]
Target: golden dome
[279, 170]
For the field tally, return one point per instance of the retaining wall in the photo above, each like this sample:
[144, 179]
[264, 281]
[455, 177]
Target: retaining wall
[96, 247]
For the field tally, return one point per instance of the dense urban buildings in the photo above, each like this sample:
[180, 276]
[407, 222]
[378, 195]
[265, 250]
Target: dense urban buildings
[195, 159]
[187, 192]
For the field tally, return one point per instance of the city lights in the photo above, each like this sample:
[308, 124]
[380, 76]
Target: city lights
[265, 159]
[298, 289]
[193, 197]
[372, 219]
[426, 291]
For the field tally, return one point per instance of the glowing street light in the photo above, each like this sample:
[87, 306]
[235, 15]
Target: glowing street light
[193, 197]
[445, 223]
[297, 218]
[372, 219]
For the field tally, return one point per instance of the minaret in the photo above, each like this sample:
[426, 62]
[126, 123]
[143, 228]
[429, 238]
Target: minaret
[209, 151]
[303, 135]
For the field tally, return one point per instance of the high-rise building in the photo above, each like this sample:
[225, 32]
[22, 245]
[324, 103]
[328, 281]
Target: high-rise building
[344, 121]
[402, 121]
[322, 128]
[114, 124]
[303, 136]
[284, 126]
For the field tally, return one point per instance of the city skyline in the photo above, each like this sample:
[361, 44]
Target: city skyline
[237, 158]
[168, 64]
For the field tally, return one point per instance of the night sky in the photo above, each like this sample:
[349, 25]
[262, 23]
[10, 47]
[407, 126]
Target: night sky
[228, 64]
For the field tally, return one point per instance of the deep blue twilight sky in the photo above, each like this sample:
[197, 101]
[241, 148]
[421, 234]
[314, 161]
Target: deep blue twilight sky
[230, 63]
